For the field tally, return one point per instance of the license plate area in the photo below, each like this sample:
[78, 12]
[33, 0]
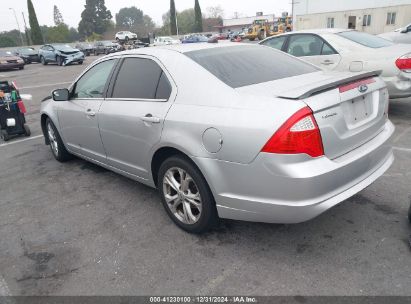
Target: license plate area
[359, 110]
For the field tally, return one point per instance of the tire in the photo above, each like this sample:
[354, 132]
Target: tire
[251, 39]
[43, 60]
[95, 53]
[126, 38]
[27, 131]
[198, 219]
[56, 144]
[409, 214]
[59, 61]
[21, 68]
[80, 62]
[106, 52]
[262, 35]
[88, 53]
[4, 135]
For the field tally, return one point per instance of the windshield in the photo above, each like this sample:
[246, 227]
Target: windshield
[108, 43]
[247, 65]
[63, 47]
[365, 39]
[26, 50]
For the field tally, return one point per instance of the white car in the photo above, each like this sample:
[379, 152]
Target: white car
[125, 36]
[165, 41]
[349, 50]
[401, 35]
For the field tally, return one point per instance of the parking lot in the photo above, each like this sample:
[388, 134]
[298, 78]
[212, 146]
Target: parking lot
[78, 229]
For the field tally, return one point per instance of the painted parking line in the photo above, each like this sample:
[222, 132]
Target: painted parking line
[401, 149]
[45, 85]
[4, 289]
[20, 141]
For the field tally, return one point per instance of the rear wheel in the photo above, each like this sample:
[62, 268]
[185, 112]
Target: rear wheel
[4, 135]
[186, 196]
[27, 131]
[80, 62]
[56, 144]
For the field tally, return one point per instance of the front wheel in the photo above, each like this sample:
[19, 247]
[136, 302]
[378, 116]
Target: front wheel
[56, 144]
[43, 60]
[59, 60]
[186, 196]
[80, 62]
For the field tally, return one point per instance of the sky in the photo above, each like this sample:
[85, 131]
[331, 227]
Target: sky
[71, 9]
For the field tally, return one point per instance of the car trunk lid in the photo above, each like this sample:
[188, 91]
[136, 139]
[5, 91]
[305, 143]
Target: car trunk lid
[350, 109]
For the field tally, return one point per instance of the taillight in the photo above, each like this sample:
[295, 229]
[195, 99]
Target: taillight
[404, 63]
[299, 134]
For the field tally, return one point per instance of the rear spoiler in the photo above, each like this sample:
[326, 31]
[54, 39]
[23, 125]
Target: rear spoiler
[333, 85]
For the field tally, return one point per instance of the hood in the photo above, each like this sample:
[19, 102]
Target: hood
[11, 57]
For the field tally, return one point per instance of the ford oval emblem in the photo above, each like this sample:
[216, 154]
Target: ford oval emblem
[363, 88]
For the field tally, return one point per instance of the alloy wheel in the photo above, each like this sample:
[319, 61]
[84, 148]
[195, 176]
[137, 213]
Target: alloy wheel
[53, 140]
[182, 195]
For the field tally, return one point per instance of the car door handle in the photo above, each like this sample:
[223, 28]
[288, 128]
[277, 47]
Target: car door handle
[90, 113]
[327, 62]
[150, 118]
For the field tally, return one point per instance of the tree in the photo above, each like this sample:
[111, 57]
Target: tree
[129, 17]
[58, 34]
[186, 21]
[173, 21]
[198, 21]
[95, 18]
[10, 38]
[215, 12]
[35, 31]
[58, 18]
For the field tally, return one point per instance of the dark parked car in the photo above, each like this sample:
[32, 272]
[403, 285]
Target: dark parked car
[28, 54]
[195, 39]
[9, 61]
[106, 47]
[62, 54]
[86, 47]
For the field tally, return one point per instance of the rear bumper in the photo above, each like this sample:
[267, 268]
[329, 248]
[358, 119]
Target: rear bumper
[295, 188]
[398, 86]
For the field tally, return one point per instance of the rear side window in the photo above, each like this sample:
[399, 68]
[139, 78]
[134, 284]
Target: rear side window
[141, 78]
[365, 39]
[240, 66]
[308, 45]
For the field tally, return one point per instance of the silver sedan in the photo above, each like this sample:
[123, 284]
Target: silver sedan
[226, 131]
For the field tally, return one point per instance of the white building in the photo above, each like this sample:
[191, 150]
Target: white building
[372, 16]
[241, 23]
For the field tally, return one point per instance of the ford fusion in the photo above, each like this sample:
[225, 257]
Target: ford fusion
[273, 139]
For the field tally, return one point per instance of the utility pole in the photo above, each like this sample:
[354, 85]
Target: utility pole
[18, 25]
[178, 36]
[25, 29]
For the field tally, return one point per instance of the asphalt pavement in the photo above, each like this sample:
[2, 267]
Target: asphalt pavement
[78, 229]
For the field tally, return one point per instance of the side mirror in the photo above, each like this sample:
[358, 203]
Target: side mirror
[61, 95]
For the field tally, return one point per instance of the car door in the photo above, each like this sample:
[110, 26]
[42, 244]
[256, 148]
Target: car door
[275, 42]
[314, 49]
[50, 53]
[78, 117]
[131, 120]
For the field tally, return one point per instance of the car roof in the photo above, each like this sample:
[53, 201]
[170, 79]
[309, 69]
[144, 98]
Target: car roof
[183, 48]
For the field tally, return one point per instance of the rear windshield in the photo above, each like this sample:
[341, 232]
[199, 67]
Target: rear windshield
[247, 65]
[366, 39]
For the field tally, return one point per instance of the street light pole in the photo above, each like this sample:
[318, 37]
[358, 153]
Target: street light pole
[18, 25]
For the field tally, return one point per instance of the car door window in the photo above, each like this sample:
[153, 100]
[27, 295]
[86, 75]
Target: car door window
[276, 43]
[327, 50]
[93, 82]
[307, 45]
[141, 78]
